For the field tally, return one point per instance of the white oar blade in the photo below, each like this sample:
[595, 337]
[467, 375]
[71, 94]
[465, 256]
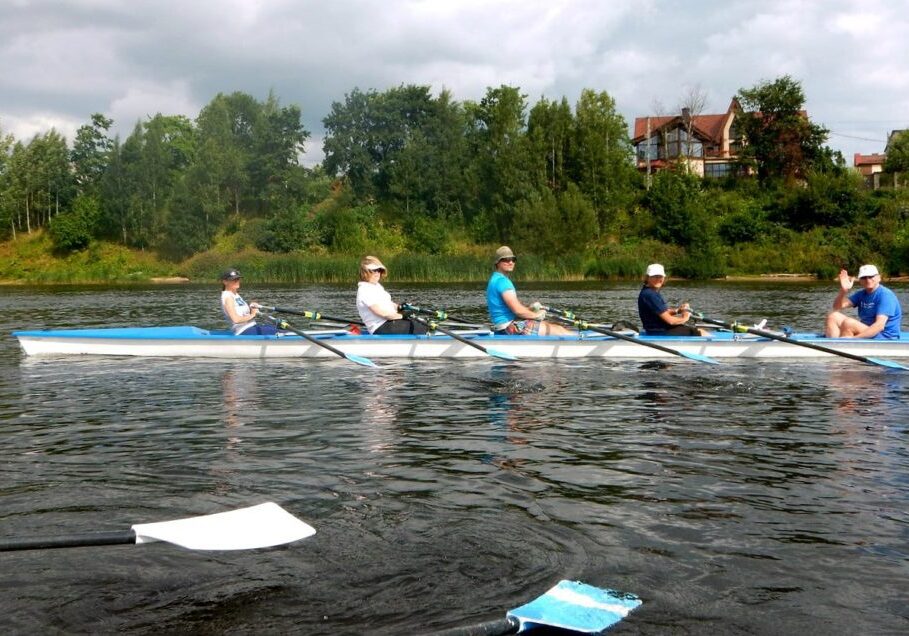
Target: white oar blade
[259, 526]
[576, 606]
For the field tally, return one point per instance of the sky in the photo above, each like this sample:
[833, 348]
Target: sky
[61, 61]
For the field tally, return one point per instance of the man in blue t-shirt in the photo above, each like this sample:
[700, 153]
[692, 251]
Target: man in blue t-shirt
[507, 313]
[879, 312]
[656, 316]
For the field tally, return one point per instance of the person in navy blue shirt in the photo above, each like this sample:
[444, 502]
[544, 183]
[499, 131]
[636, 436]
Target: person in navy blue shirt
[657, 318]
[879, 312]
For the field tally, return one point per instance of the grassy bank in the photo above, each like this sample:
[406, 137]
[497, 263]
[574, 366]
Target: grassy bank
[30, 259]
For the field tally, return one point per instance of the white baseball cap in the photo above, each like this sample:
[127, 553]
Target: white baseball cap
[655, 270]
[867, 270]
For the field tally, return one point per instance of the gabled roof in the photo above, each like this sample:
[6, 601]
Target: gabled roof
[868, 160]
[708, 127]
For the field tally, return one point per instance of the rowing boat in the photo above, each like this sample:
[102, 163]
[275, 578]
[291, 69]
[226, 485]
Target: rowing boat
[193, 342]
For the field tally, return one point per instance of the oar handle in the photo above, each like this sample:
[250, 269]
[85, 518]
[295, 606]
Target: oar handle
[507, 625]
[564, 313]
[72, 541]
[438, 314]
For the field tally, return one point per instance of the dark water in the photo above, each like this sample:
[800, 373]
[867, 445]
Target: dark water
[754, 497]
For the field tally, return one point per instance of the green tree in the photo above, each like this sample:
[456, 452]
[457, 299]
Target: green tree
[75, 229]
[781, 142]
[550, 127]
[898, 153]
[499, 144]
[90, 152]
[602, 157]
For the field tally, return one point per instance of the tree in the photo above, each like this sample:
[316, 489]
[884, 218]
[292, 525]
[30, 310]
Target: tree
[90, 152]
[781, 142]
[898, 153]
[602, 156]
[550, 127]
[497, 134]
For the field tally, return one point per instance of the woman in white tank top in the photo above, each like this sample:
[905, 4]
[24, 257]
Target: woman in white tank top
[240, 315]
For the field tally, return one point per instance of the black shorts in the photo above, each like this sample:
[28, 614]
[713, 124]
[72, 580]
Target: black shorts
[401, 326]
[678, 330]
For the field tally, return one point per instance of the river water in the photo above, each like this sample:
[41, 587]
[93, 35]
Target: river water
[752, 497]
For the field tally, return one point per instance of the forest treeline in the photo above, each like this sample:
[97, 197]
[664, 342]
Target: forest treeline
[407, 172]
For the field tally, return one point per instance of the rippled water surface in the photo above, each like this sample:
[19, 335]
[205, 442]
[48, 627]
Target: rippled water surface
[752, 497]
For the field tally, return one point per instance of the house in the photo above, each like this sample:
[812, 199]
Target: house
[872, 166]
[709, 144]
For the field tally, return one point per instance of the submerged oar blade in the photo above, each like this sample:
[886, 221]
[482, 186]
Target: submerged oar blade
[699, 357]
[366, 362]
[576, 606]
[259, 526]
[887, 363]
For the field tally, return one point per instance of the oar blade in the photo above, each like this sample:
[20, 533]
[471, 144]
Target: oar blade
[366, 362]
[887, 363]
[576, 606]
[500, 354]
[699, 357]
[261, 526]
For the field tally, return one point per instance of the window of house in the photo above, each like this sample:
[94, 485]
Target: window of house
[718, 170]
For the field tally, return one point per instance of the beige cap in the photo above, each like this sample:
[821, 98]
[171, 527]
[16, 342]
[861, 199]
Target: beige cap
[503, 252]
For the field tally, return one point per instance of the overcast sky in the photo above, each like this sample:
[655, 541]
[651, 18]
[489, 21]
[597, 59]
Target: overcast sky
[129, 59]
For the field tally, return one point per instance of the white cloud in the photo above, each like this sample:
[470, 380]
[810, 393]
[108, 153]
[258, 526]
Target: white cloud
[129, 59]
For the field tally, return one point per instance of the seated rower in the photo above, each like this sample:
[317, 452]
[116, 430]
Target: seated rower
[879, 311]
[240, 315]
[374, 304]
[656, 316]
[507, 313]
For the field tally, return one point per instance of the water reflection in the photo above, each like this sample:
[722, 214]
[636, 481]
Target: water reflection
[380, 409]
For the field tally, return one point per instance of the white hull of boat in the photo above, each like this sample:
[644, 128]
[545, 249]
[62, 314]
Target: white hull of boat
[193, 342]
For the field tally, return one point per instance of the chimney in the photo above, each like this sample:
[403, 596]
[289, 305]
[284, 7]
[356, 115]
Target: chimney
[686, 114]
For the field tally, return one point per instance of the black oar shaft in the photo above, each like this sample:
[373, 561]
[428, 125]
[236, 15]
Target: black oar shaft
[72, 541]
[615, 334]
[315, 315]
[772, 336]
[449, 333]
[500, 627]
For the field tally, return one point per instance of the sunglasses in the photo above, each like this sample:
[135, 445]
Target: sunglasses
[510, 259]
[866, 277]
[381, 270]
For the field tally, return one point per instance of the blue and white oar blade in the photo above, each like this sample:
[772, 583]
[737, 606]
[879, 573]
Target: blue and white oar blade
[887, 363]
[366, 362]
[576, 606]
[500, 354]
[699, 357]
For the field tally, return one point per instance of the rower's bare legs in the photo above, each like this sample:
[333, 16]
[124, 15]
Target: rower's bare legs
[839, 325]
[552, 329]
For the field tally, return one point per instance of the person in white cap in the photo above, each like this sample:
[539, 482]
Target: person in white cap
[508, 315]
[879, 311]
[657, 318]
[380, 314]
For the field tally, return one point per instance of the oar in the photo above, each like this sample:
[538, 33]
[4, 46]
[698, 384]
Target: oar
[433, 326]
[568, 318]
[570, 605]
[259, 526]
[735, 327]
[312, 315]
[283, 324]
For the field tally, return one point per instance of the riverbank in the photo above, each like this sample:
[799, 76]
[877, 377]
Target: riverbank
[30, 260]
